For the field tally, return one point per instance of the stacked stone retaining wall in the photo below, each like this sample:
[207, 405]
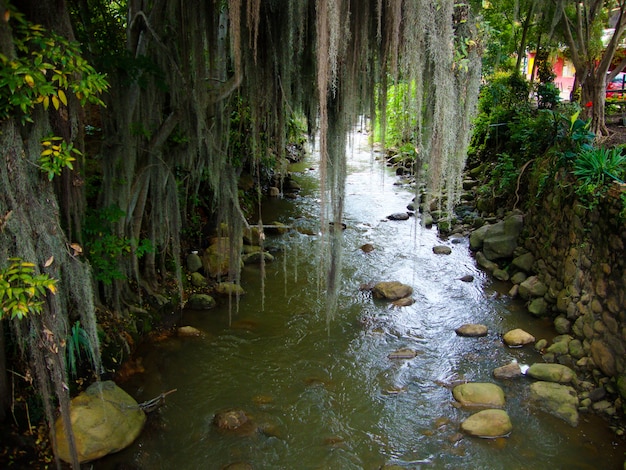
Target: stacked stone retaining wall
[580, 256]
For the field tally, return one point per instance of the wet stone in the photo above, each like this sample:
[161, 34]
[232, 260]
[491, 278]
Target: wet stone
[508, 371]
[472, 330]
[488, 424]
[442, 250]
[518, 337]
[479, 394]
[398, 216]
[403, 353]
[551, 373]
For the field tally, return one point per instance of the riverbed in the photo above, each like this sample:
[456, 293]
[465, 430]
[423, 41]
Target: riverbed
[321, 390]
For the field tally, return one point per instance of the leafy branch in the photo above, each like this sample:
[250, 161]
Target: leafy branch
[22, 291]
[46, 67]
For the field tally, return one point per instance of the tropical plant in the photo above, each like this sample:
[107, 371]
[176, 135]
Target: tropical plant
[599, 166]
[22, 291]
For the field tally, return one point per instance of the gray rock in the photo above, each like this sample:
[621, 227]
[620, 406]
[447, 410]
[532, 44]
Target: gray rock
[556, 399]
[488, 424]
[501, 239]
[200, 302]
[551, 373]
[404, 353]
[104, 418]
[467, 278]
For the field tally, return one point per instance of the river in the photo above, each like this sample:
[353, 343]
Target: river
[324, 393]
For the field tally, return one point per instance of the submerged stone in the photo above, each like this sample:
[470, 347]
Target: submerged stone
[488, 424]
[403, 353]
[404, 302]
[556, 399]
[229, 288]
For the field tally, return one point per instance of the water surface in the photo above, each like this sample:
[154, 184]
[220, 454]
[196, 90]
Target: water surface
[324, 394]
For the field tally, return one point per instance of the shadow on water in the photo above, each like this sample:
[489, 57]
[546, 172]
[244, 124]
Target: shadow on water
[329, 397]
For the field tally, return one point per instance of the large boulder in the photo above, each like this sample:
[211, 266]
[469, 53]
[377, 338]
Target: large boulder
[479, 394]
[551, 372]
[488, 424]
[391, 290]
[500, 240]
[556, 399]
[105, 419]
[472, 330]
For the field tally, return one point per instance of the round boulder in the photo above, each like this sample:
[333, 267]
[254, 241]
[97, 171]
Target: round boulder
[479, 394]
[488, 424]
[518, 337]
[105, 419]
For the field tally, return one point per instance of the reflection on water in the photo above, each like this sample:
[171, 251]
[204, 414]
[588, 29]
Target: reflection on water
[330, 398]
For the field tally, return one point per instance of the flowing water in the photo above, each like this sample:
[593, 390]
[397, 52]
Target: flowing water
[324, 394]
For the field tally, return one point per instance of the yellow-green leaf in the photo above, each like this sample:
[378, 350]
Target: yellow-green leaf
[55, 102]
[46, 152]
[62, 97]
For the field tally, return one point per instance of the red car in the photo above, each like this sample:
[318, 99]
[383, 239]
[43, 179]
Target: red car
[618, 83]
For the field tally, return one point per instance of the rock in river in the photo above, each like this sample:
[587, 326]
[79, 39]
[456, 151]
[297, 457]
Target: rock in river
[551, 372]
[472, 330]
[105, 419]
[518, 337]
[479, 394]
[558, 400]
[488, 424]
[391, 290]
[399, 216]
[442, 250]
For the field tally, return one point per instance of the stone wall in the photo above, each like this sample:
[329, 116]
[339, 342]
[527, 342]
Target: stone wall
[580, 257]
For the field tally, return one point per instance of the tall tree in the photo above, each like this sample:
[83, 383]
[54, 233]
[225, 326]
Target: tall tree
[582, 24]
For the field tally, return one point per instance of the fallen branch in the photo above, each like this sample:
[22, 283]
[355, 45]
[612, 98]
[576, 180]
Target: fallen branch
[151, 405]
